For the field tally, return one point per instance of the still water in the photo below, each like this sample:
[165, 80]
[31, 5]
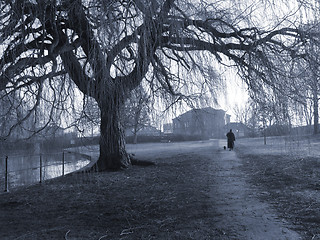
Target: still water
[25, 169]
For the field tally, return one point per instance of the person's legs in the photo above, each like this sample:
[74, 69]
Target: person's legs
[229, 144]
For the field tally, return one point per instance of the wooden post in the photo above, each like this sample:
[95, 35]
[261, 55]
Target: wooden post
[264, 132]
[63, 163]
[6, 176]
[40, 169]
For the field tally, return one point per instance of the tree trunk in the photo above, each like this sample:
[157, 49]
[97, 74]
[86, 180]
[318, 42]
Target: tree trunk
[264, 132]
[113, 155]
[135, 137]
[315, 113]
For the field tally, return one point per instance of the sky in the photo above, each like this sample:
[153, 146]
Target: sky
[236, 94]
[264, 14]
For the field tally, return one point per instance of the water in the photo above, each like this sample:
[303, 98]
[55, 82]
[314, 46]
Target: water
[25, 169]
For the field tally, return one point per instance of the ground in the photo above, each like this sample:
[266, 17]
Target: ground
[196, 190]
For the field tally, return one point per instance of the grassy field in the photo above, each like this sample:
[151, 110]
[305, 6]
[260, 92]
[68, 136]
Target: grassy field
[287, 172]
[169, 200]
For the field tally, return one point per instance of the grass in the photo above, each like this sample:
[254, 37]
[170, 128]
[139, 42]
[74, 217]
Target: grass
[167, 201]
[288, 178]
[170, 200]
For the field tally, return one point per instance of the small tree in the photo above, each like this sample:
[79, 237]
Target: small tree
[137, 112]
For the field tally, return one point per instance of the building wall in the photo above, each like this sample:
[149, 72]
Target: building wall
[168, 128]
[207, 123]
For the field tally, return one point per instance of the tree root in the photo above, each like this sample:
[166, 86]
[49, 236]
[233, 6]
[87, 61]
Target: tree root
[136, 162]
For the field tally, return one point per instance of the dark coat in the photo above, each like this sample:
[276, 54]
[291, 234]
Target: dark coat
[231, 139]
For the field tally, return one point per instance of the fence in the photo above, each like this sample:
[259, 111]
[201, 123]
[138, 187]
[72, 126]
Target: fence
[18, 170]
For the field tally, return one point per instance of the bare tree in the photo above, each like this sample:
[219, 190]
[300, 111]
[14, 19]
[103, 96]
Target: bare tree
[243, 113]
[303, 82]
[12, 111]
[313, 80]
[106, 48]
[136, 112]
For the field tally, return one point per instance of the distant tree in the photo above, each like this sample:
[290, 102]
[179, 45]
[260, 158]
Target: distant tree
[136, 112]
[307, 112]
[88, 117]
[302, 83]
[106, 48]
[311, 80]
[272, 106]
[243, 113]
[10, 112]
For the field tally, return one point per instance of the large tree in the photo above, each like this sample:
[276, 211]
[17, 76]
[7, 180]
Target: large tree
[107, 47]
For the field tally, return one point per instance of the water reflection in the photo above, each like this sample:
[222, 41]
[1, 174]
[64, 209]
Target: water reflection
[25, 169]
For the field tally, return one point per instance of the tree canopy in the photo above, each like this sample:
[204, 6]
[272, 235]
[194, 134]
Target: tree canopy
[106, 48]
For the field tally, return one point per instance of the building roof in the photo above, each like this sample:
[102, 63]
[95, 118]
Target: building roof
[196, 111]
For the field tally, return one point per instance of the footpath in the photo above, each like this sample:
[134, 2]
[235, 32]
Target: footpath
[240, 213]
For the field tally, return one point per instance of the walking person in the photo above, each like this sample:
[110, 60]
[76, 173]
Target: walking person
[231, 139]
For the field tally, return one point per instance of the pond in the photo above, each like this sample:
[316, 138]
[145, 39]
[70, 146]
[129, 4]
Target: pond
[29, 169]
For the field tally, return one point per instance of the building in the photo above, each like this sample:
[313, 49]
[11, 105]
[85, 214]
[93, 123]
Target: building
[204, 123]
[167, 128]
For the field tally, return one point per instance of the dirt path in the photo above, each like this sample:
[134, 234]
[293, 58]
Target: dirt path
[242, 215]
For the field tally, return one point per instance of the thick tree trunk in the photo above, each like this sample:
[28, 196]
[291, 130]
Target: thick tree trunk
[113, 155]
